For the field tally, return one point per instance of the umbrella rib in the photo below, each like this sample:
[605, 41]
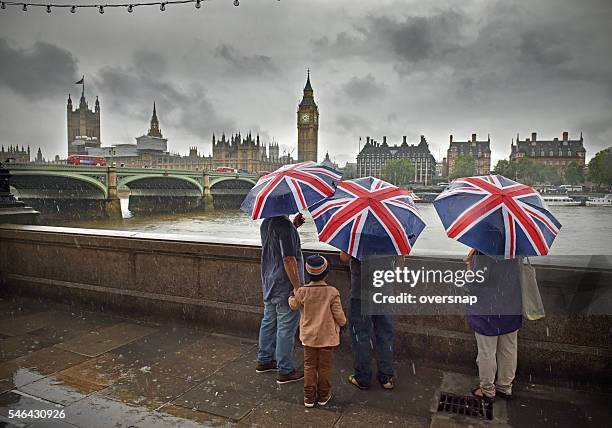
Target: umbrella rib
[321, 186]
[265, 192]
[401, 242]
[328, 205]
[527, 224]
[340, 218]
[476, 212]
[295, 190]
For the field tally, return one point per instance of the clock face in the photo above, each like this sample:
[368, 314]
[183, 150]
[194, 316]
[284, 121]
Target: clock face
[305, 117]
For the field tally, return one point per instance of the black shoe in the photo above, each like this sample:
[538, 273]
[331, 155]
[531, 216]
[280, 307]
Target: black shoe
[290, 377]
[389, 384]
[498, 393]
[266, 367]
[353, 381]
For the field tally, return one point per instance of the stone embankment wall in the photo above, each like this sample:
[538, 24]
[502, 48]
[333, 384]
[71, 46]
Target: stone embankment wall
[218, 284]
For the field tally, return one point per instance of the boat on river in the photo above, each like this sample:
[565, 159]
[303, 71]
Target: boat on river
[606, 201]
[564, 201]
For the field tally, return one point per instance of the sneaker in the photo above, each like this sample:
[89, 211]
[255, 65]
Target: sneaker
[290, 377]
[266, 367]
[353, 381]
[389, 384]
[324, 401]
[308, 403]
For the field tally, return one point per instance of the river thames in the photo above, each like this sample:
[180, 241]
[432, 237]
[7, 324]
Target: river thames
[585, 230]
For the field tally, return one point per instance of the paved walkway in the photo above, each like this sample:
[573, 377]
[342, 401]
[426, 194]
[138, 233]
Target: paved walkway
[102, 370]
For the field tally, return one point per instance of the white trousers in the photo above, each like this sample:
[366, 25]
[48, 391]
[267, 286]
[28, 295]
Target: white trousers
[496, 355]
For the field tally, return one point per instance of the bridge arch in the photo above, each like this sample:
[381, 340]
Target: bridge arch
[126, 181]
[23, 180]
[217, 180]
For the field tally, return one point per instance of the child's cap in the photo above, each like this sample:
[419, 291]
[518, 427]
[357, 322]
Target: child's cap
[317, 267]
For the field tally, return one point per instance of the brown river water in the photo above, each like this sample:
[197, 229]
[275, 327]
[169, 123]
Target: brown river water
[585, 230]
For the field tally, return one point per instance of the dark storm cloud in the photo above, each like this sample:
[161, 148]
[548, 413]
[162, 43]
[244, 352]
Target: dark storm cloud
[133, 89]
[598, 131]
[362, 89]
[435, 67]
[241, 64]
[420, 38]
[351, 123]
[543, 48]
[407, 40]
[38, 72]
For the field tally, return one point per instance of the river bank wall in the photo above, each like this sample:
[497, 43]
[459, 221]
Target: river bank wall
[218, 284]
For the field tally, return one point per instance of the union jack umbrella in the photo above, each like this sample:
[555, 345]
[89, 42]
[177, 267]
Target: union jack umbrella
[368, 216]
[497, 216]
[290, 189]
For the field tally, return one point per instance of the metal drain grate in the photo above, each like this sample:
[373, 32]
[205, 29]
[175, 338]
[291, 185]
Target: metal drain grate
[465, 405]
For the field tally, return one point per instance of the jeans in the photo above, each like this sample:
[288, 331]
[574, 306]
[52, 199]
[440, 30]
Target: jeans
[277, 335]
[361, 328]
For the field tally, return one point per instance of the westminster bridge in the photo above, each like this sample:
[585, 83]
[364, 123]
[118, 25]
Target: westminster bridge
[67, 191]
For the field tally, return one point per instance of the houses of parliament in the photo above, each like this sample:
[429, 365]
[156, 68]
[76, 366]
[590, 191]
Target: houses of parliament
[240, 152]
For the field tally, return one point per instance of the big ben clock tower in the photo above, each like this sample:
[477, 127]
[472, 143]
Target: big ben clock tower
[308, 125]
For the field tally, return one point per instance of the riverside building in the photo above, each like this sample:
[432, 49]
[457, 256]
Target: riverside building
[373, 158]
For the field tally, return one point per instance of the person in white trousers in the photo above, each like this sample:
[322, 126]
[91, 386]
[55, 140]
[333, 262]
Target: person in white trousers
[495, 319]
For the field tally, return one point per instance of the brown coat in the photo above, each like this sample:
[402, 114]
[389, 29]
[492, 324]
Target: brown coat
[322, 314]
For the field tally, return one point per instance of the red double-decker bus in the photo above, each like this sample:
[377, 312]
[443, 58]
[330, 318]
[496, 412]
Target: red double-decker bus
[86, 160]
[225, 169]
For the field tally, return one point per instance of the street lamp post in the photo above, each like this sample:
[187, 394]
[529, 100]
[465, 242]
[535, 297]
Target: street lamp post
[12, 210]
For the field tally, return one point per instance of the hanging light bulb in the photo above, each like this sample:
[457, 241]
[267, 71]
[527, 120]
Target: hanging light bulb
[162, 7]
[101, 9]
[73, 9]
[25, 7]
[236, 3]
[130, 8]
[48, 8]
[198, 5]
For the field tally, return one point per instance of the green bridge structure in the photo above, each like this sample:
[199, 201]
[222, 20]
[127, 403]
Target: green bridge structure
[77, 191]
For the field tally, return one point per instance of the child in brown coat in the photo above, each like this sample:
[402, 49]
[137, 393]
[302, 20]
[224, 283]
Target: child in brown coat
[320, 323]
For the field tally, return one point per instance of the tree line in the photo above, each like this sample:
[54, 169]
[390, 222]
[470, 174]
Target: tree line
[401, 172]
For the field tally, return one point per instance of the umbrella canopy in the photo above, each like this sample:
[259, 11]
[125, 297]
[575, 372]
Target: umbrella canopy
[368, 216]
[497, 216]
[289, 189]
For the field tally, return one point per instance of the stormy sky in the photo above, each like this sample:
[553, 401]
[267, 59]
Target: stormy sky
[378, 68]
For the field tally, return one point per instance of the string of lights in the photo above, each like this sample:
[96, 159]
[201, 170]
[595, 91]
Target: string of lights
[101, 7]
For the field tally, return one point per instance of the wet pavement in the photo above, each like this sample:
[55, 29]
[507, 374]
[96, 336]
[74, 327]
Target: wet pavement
[97, 369]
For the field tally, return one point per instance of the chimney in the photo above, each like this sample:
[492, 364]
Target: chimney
[451, 138]
[404, 139]
[384, 139]
[534, 136]
[367, 140]
[473, 138]
[565, 135]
